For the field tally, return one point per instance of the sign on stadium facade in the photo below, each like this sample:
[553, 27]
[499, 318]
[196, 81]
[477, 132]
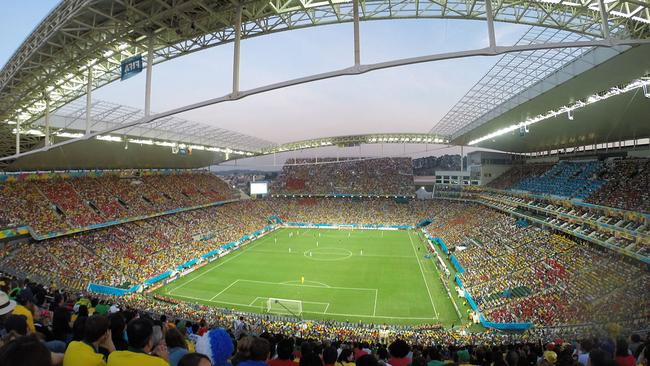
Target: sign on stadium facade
[130, 67]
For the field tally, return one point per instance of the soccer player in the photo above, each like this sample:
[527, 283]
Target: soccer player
[361, 251]
[302, 279]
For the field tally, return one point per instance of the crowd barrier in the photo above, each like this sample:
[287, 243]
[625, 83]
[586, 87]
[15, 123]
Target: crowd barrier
[456, 264]
[112, 291]
[442, 245]
[485, 322]
[14, 232]
[504, 326]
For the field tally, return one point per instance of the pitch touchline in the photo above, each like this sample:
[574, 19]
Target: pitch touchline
[422, 272]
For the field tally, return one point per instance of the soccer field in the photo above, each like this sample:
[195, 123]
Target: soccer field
[349, 275]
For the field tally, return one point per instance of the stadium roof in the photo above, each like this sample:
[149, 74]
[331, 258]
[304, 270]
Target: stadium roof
[513, 74]
[69, 121]
[80, 45]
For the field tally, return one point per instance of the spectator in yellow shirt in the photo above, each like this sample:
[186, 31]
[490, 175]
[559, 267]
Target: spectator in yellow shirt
[25, 307]
[143, 351]
[86, 353]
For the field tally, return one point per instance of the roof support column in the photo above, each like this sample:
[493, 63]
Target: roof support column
[489, 16]
[147, 91]
[47, 121]
[89, 87]
[604, 19]
[357, 42]
[236, 52]
[18, 137]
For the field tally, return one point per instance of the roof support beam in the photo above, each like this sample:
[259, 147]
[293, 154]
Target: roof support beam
[357, 45]
[236, 52]
[89, 88]
[490, 24]
[604, 18]
[18, 137]
[147, 90]
[47, 120]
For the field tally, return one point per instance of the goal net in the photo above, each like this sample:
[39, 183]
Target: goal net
[284, 306]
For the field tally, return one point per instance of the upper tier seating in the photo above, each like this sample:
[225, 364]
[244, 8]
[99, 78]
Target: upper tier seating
[566, 179]
[63, 203]
[362, 176]
[627, 185]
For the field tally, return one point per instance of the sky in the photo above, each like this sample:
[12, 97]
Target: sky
[404, 99]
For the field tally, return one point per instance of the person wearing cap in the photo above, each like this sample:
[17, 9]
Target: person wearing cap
[87, 352]
[549, 358]
[6, 304]
[25, 307]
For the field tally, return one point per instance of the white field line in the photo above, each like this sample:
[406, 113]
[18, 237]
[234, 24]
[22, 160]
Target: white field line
[303, 301]
[311, 312]
[297, 284]
[423, 276]
[224, 290]
[228, 259]
[374, 310]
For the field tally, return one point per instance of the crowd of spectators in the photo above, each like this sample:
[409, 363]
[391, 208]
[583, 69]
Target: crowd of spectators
[56, 204]
[519, 273]
[515, 273]
[360, 176]
[43, 326]
[619, 183]
[130, 253]
[626, 187]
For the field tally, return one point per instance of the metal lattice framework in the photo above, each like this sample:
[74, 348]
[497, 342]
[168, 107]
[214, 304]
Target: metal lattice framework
[84, 39]
[69, 121]
[513, 74]
[356, 140]
[80, 45]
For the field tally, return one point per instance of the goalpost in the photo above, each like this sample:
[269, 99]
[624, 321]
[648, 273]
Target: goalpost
[284, 306]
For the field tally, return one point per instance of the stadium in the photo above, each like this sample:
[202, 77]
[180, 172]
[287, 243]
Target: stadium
[363, 182]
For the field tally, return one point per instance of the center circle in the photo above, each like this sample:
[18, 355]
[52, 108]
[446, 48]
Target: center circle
[327, 254]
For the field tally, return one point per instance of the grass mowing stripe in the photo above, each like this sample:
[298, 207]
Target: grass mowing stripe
[257, 242]
[422, 272]
[342, 278]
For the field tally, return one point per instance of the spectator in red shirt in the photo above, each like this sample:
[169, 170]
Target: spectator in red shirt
[284, 350]
[623, 356]
[399, 349]
[358, 351]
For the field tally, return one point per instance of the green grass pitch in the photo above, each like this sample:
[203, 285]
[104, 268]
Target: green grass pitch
[349, 275]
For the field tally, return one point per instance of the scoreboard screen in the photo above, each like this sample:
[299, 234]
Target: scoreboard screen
[259, 188]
